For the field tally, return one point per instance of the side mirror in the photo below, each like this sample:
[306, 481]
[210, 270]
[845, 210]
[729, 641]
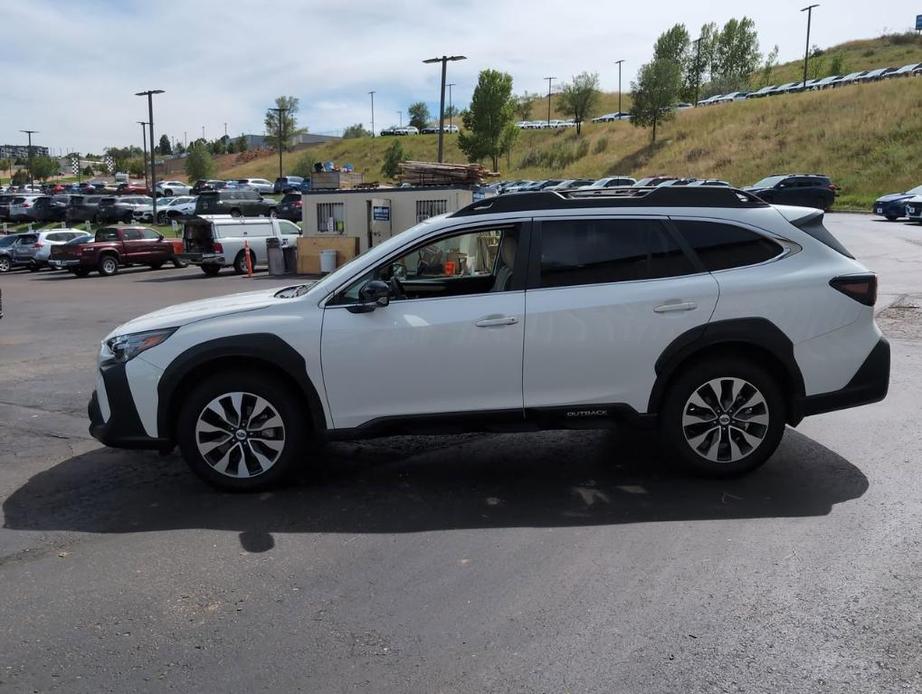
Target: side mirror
[160, 237]
[374, 293]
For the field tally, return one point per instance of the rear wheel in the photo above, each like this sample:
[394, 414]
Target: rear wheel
[33, 267]
[179, 263]
[5, 264]
[80, 271]
[242, 431]
[108, 265]
[723, 417]
[156, 266]
[240, 263]
[211, 270]
[235, 213]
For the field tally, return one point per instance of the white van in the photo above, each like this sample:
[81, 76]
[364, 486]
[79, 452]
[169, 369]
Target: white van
[213, 241]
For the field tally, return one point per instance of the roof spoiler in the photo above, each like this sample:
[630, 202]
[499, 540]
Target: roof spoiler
[800, 216]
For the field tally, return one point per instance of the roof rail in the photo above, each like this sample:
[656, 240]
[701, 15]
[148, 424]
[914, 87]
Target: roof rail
[663, 196]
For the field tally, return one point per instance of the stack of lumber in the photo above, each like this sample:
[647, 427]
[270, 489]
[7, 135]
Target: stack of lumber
[430, 173]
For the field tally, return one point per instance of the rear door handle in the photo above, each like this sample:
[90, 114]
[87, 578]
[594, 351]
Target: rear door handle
[673, 307]
[496, 322]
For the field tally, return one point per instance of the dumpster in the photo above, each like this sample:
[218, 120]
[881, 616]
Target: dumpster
[276, 256]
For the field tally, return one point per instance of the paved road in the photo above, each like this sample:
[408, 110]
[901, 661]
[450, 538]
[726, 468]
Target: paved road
[564, 561]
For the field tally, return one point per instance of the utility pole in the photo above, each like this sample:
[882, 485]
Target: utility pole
[144, 145]
[29, 133]
[451, 108]
[549, 80]
[153, 165]
[400, 115]
[372, 94]
[697, 43]
[809, 11]
[281, 119]
[618, 63]
[225, 130]
[445, 59]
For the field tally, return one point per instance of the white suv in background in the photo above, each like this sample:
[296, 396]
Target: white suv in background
[704, 312]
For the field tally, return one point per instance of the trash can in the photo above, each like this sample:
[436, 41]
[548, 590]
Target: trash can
[327, 261]
[276, 257]
[291, 259]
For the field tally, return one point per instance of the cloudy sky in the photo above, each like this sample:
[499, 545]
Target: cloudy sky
[71, 68]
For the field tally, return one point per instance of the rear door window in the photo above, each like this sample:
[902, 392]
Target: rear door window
[600, 251]
[723, 246]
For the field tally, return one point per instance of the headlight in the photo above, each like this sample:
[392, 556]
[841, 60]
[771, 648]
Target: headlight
[125, 347]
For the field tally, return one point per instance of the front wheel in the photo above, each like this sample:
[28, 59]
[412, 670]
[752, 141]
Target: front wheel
[723, 417]
[242, 432]
[5, 263]
[211, 270]
[240, 262]
[892, 218]
[108, 266]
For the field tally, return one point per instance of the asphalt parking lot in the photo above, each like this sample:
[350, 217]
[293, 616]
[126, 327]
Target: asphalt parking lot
[556, 562]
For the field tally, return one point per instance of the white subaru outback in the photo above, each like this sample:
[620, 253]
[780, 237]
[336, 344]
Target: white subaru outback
[702, 311]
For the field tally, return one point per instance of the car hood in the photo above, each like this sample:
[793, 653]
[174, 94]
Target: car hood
[892, 197]
[194, 311]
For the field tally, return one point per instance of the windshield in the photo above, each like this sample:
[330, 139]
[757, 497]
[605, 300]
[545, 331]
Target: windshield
[769, 182]
[914, 191]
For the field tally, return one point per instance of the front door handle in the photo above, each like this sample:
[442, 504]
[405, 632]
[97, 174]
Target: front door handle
[496, 321]
[678, 306]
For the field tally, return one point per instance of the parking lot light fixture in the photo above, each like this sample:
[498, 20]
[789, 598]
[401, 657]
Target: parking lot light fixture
[29, 133]
[618, 63]
[153, 165]
[280, 111]
[549, 80]
[444, 60]
[144, 149]
[451, 109]
[809, 11]
[372, 95]
[400, 116]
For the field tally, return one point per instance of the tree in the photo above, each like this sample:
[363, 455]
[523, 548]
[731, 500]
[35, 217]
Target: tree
[673, 45]
[451, 111]
[771, 60]
[357, 130]
[837, 64]
[392, 158]
[242, 144]
[654, 94]
[199, 163]
[165, 147]
[20, 178]
[736, 55]
[419, 115]
[87, 170]
[43, 167]
[135, 167]
[578, 98]
[492, 109]
[289, 123]
[523, 106]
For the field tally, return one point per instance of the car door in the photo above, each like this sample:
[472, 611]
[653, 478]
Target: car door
[606, 297]
[136, 250]
[450, 341]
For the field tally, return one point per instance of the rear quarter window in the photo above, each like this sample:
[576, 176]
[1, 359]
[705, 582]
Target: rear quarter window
[257, 230]
[724, 246]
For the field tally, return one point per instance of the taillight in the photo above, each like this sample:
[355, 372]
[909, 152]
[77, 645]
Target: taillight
[296, 203]
[218, 248]
[861, 288]
[37, 245]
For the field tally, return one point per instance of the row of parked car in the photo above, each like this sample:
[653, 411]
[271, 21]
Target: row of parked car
[413, 130]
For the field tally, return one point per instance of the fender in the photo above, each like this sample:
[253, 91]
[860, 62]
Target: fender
[758, 332]
[262, 346]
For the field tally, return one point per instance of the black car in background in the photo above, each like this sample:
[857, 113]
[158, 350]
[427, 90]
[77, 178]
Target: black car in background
[290, 207]
[49, 208]
[285, 184]
[237, 203]
[5, 201]
[81, 208]
[201, 185]
[805, 190]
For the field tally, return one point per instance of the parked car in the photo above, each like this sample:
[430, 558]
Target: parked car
[6, 251]
[284, 184]
[850, 78]
[134, 188]
[237, 203]
[216, 241]
[904, 71]
[59, 253]
[709, 361]
[709, 182]
[81, 208]
[34, 248]
[21, 207]
[570, 184]
[290, 207]
[808, 190]
[5, 200]
[115, 247]
[169, 209]
[893, 206]
[611, 182]
[122, 209]
[49, 208]
[260, 185]
[170, 189]
[202, 185]
[653, 181]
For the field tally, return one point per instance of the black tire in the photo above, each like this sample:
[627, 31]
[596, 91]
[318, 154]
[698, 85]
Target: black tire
[156, 266]
[211, 270]
[235, 213]
[80, 271]
[273, 212]
[161, 219]
[718, 437]
[240, 263]
[168, 192]
[179, 263]
[891, 218]
[108, 265]
[33, 267]
[268, 458]
[5, 263]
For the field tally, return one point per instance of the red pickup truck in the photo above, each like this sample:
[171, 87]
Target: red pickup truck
[115, 247]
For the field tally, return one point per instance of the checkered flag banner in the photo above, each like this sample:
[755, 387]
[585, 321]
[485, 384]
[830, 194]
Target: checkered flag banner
[110, 165]
[75, 165]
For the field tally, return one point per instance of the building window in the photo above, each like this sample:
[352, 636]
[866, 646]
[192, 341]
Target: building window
[430, 208]
[331, 217]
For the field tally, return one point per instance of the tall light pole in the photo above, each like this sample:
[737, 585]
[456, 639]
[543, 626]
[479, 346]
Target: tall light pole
[809, 11]
[30, 133]
[445, 59]
[400, 115]
[549, 80]
[451, 107]
[225, 129]
[153, 165]
[281, 117]
[697, 43]
[144, 147]
[372, 95]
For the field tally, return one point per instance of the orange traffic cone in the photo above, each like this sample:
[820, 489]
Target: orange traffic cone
[249, 258]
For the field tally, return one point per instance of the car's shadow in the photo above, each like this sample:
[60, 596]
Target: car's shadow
[413, 484]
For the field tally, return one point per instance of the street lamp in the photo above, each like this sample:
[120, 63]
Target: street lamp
[809, 11]
[451, 108]
[280, 111]
[372, 94]
[153, 166]
[29, 133]
[618, 63]
[549, 80]
[144, 146]
[445, 59]
[400, 116]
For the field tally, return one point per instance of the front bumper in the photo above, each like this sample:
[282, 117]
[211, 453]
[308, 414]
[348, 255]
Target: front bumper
[914, 212]
[123, 428]
[890, 209]
[869, 384]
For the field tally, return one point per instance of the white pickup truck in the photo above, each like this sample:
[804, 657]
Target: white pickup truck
[216, 241]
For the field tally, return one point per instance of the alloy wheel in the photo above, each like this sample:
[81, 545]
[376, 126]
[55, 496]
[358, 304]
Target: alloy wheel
[725, 419]
[4, 264]
[240, 435]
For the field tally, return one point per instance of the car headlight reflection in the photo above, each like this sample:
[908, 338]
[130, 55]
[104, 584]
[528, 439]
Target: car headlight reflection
[126, 347]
